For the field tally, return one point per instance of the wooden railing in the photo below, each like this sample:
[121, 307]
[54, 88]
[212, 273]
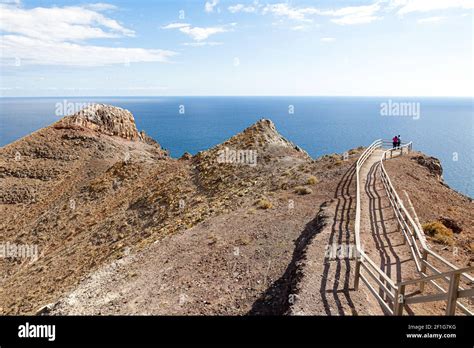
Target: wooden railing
[390, 295]
[451, 296]
[386, 285]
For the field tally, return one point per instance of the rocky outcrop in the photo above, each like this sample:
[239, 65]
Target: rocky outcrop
[106, 119]
[256, 157]
[264, 133]
[186, 156]
[431, 163]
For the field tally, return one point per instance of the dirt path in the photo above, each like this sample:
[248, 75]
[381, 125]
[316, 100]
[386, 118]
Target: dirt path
[382, 239]
[326, 284]
[380, 234]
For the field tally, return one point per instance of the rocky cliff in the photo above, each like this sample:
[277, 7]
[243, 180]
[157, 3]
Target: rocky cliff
[105, 119]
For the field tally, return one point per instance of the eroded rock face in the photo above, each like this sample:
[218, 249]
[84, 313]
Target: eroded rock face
[106, 119]
[433, 164]
[264, 132]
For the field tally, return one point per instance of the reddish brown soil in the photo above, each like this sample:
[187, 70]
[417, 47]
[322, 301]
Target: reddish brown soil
[124, 229]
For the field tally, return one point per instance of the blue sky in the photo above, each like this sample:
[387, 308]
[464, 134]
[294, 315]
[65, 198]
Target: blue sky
[193, 47]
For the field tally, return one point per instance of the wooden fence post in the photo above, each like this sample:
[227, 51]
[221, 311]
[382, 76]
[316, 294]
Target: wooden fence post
[452, 294]
[424, 259]
[399, 300]
[357, 274]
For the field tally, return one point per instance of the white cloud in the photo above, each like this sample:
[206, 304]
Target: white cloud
[100, 6]
[328, 39]
[209, 6]
[285, 10]
[203, 43]
[176, 25]
[60, 23]
[343, 16]
[35, 51]
[351, 15]
[409, 6]
[243, 8]
[57, 35]
[435, 19]
[354, 14]
[198, 33]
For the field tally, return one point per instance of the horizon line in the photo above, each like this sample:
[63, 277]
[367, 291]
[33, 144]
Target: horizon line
[246, 96]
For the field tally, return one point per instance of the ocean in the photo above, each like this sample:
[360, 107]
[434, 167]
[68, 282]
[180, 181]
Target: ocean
[440, 127]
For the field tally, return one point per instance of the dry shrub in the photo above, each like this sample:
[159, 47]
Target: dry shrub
[438, 232]
[312, 180]
[263, 203]
[301, 190]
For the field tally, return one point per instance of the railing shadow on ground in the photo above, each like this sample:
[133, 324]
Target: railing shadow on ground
[339, 229]
[376, 215]
[275, 300]
[414, 237]
[387, 253]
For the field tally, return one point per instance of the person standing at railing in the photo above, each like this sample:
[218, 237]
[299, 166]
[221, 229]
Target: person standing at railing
[395, 141]
[399, 142]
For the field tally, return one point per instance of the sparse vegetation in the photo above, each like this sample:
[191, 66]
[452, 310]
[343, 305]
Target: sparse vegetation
[243, 240]
[356, 150]
[301, 190]
[263, 203]
[438, 232]
[312, 180]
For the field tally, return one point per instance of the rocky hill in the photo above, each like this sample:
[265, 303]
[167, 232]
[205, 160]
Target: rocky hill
[122, 228]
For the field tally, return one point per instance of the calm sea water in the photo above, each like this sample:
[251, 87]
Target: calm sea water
[320, 125]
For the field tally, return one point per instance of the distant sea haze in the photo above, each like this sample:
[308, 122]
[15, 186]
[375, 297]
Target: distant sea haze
[440, 127]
